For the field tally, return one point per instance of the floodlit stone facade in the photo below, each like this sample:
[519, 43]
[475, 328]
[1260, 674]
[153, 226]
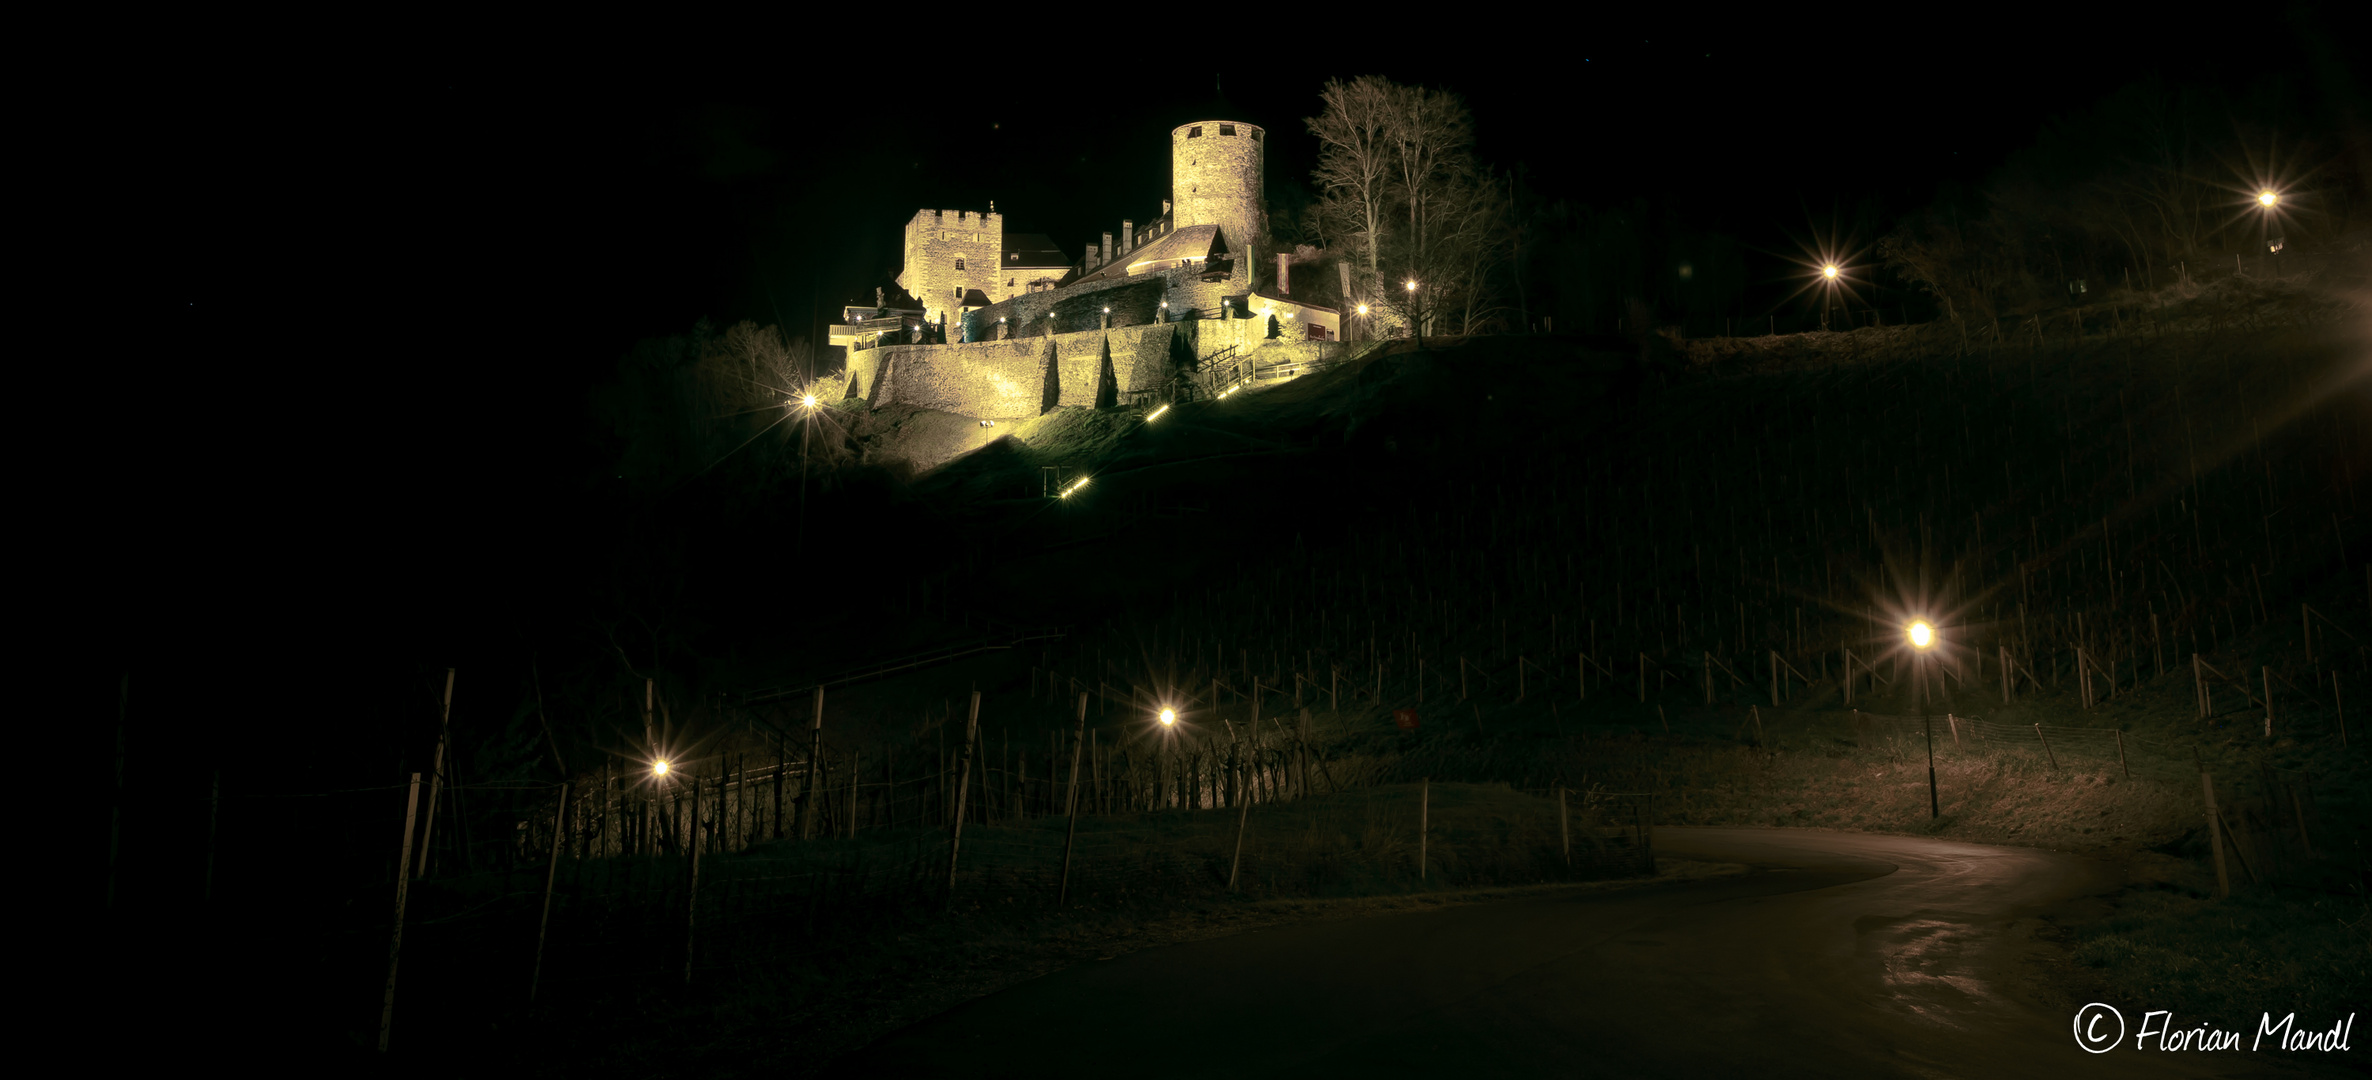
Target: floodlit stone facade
[1163, 293]
[1216, 179]
[949, 253]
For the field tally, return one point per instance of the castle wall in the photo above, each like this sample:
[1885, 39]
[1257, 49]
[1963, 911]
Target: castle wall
[1006, 380]
[996, 380]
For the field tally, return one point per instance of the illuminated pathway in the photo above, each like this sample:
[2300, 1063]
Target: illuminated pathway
[1839, 955]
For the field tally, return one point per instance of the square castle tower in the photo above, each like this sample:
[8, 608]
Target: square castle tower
[949, 254]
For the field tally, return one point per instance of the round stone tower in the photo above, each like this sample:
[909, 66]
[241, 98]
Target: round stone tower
[1215, 170]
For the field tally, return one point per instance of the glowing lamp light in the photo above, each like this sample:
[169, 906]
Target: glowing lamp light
[1412, 286]
[1829, 271]
[1169, 716]
[1922, 635]
[659, 767]
[1362, 309]
[2268, 197]
[1157, 414]
[808, 401]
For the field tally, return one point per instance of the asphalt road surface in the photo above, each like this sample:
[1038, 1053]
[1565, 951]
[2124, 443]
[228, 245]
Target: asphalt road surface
[1839, 954]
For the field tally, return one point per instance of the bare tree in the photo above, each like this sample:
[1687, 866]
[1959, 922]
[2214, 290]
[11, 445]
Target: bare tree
[1433, 143]
[1470, 244]
[1355, 159]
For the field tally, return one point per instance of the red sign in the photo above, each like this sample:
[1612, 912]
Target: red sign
[1406, 718]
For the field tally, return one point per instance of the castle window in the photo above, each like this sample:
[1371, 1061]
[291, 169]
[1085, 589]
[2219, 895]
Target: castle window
[1015, 256]
[1194, 132]
[1255, 134]
[959, 264]
[1226, 129]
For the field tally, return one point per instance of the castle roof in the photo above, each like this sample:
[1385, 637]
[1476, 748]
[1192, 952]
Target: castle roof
[1191, 242]
[1034, 250]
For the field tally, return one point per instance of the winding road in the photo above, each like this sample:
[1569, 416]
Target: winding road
[1837, 954]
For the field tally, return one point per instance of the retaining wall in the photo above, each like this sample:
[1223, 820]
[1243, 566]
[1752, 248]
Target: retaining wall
[1009, 380]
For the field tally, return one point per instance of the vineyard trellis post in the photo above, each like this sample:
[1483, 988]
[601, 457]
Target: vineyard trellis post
[543, 921]
[1062, 895]
[955, 838]
[436, 771]
[403, 888]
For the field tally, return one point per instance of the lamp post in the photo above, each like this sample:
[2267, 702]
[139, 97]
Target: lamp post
[805, 403]
[1363, 318]
[1416, 320]
[1828, 291]
[1922, 639]
[2269, 201]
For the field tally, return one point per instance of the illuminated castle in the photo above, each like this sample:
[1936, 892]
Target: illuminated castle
[974, 281]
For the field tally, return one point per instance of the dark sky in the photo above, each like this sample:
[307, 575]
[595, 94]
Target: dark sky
[411, 272]
[596, 206]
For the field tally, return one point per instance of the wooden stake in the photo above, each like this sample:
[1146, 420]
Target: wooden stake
[809, 805]
[403, 885]
[2267, 672]
[1565, 826]
[955, 838]
[436, 771]
[2121, 767]
[1243, 815]
[1062, 895]
[2342, 709]
[1424, 821]
[692, 879]
[543, 922]
[2054, 758]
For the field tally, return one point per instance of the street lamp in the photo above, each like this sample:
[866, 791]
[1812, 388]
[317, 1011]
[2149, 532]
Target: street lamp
[1169, 717]
[1922, 639]
[1829, 275]
[659, 767]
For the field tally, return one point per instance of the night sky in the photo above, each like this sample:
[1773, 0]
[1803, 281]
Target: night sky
[393, 286]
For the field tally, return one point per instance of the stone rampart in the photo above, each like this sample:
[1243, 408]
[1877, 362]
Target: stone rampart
[1008, 380]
